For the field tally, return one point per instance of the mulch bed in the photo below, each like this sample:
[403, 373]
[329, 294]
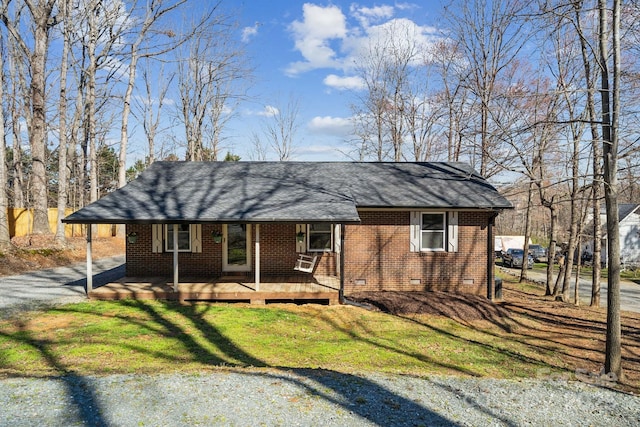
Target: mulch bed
[457, 306]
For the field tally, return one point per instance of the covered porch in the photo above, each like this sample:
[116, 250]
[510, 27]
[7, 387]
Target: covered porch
[238, 288]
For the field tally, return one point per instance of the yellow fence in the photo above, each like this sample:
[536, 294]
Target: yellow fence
[21, 224]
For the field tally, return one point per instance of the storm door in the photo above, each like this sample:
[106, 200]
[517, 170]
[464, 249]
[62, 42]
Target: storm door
[236, 247]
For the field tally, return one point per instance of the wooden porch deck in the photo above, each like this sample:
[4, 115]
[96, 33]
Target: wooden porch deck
[323, 289]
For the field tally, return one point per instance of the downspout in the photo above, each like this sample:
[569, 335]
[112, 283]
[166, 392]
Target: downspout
[490, 256]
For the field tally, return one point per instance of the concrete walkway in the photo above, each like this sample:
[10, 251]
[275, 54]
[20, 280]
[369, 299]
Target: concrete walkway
[629, 291]
[55, 285]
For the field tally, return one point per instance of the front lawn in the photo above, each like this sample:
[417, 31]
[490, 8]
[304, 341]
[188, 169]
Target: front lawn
[538, 339]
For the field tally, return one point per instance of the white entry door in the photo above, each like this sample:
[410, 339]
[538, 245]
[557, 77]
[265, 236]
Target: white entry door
[236, 247]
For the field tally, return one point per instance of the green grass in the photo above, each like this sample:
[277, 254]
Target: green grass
[152, 336]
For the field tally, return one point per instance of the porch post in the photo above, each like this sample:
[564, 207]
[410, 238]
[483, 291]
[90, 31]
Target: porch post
[89, 261]
[342, 248]
[175, 257]
[257, 272]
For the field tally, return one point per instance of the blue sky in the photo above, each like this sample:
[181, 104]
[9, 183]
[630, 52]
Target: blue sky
[306, 50]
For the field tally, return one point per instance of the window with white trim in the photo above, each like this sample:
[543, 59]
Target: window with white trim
[433, 228]
[320, 237]
[184, 238]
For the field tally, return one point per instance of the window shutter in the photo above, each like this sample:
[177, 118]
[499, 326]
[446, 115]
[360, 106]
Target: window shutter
[156, 238]
[196, 237]
[414, 230]
[336, 238]
[452, 232]
[301, 246]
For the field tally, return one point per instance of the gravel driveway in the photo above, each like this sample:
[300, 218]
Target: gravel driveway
[54, 285]
[282, 397]
[309, 398]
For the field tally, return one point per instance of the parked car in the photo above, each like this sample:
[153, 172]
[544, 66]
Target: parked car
[513, 258]
[538, 253]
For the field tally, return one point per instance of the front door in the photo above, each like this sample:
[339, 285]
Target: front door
[236, 247]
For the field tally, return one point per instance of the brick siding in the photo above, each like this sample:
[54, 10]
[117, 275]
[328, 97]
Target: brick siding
[277, 254]
[377, 255]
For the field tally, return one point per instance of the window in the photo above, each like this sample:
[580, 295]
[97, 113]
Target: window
[432, 232]
[320, 237]
[184, 238]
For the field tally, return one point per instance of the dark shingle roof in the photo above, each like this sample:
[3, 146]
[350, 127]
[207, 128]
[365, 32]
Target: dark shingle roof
[625, 209]
[287, 191]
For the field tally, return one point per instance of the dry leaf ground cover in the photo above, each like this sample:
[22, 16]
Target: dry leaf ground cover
[32, 253]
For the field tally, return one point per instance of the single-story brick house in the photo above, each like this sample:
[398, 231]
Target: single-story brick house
[374, 226]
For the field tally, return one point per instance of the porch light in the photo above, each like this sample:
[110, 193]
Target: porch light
[132, 237]
[300, 236]
[217, 236]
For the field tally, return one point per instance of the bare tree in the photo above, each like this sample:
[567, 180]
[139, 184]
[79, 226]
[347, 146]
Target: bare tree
[260, 149]
[147, 44]
[610, 99]
[279, 130]
[596, 185]
[62, 125]
[391, 109]
[5, 238]
[36, 55]
[491, 35]
[454, 95]
[149, 108]
[18, 105]
[212, 77]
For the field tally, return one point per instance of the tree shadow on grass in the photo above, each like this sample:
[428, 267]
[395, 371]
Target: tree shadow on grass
[353, 393]
[357, 394]
[79, 389]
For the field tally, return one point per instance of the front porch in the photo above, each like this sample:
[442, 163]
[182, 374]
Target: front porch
[295, 288]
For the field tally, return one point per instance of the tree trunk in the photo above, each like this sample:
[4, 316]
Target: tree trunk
[91, 109]
[5, 238]
[62, 127]
[596, 186]
[613, 348]
[527, 235]
[38, 136]
[551, 253]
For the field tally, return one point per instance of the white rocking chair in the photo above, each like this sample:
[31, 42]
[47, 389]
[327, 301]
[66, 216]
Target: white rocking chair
[306, 263]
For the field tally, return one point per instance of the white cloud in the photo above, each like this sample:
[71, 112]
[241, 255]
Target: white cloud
[312, 35]
[343, 83]
[400, 32]
[269, 111]
[249, 32]
[337, 126]
[366, 15]
[327, 38]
